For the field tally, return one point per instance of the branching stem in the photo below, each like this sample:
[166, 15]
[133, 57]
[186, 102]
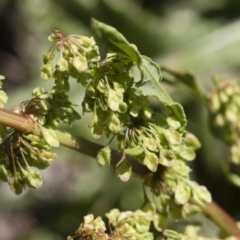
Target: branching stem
[25, 123]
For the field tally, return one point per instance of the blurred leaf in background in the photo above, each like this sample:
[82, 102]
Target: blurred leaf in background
[198, 36]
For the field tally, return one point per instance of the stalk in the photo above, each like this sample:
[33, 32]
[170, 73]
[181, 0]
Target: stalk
[25, 123]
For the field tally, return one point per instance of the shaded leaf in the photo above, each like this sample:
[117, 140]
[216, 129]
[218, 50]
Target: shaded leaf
[114, 41]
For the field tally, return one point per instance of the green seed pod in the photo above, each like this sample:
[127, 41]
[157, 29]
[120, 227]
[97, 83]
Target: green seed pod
[3, 172]
[173, 137]
[182, 193]
[115, 98]
[104, 156]
[149, 143]
[150, 160]
[114, 124]
[52, 37]
[46, 71]
[173, 235]
[80, 63]
[37, 91]
[34, 178]
[190, 210]
[90, 91]
[62, 64]
[44, 105]
[15, 185]
[134, 151]
[201, 194]
[50, 137]
[46, 156]
[47, 57]
[124, 170]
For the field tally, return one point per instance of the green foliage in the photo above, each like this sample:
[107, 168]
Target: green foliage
[118, 92]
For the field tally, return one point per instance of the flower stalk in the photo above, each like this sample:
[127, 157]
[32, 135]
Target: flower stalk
[26, 124]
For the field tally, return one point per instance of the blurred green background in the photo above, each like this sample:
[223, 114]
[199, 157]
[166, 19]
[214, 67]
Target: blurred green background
[199, 36]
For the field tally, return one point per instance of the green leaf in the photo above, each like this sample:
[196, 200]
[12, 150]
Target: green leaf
[177, 113]
[15, 185]
[50, 136]
[124, 170]
[186, 78]
[149, 84]
[104, 156]
[114, 41]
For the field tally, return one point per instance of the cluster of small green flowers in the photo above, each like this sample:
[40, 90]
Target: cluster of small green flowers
[91, 229]
[77, 54]
[23, 153]
[190, 232]
[20, 152]
[106, 96]
[51, 108]
[121, 108]
[224, 106]
[130, 225]
[124, 225]
[170, 193]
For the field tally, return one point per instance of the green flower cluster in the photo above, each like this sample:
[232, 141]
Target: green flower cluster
[119, 100]
[77, 55]
[224, 106]
[169, 190]
[51, 108]
[90, 229]
[190, 232]
[170, 193]
[124, 225]
[107, 95]
[21, 153]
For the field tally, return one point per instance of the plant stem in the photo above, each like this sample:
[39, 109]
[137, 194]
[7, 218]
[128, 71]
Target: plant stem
[25, 123]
